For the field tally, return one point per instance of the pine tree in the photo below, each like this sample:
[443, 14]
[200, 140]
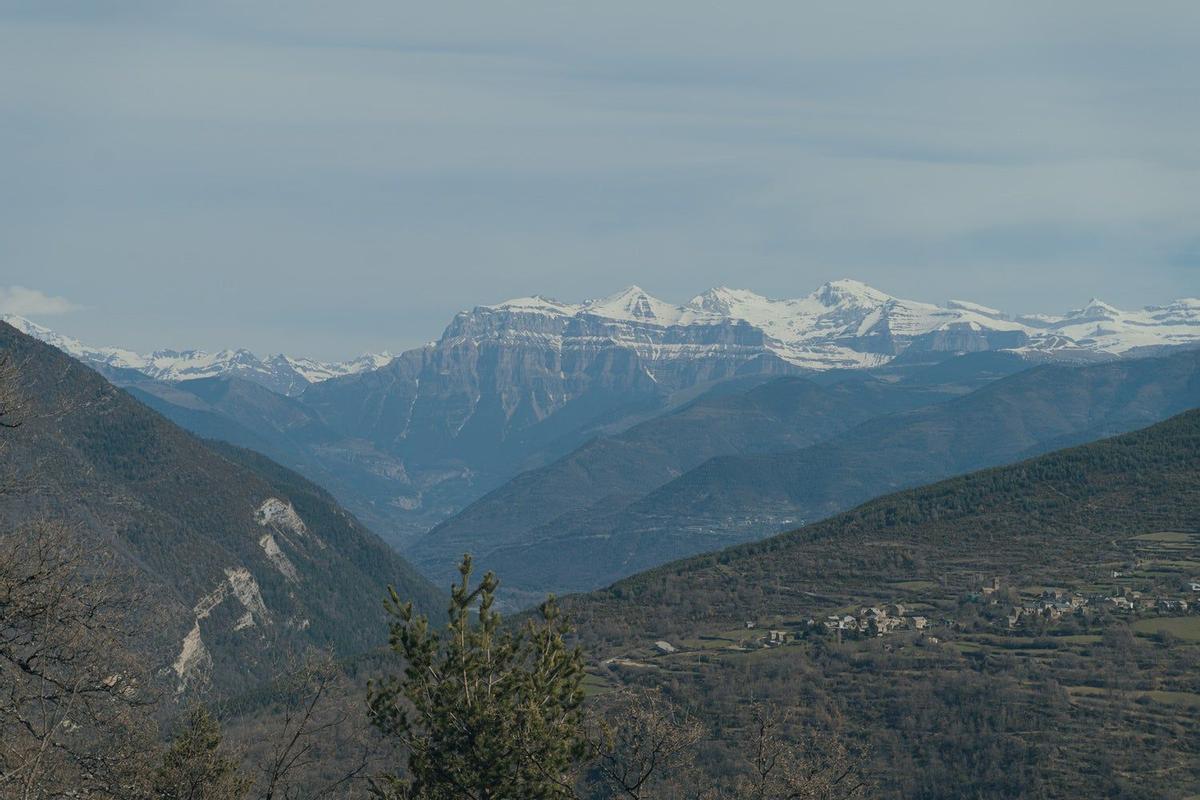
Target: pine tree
[194, 768]
[483, 711]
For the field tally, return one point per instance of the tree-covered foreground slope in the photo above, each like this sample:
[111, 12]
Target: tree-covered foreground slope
[233, 559]
[736, 497]
[1026, 631]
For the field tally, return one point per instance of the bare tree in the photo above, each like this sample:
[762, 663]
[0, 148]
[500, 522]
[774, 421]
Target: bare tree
[73, 696]
[321, 745]
[640, 739]
[12, 407]
[788, 764]
[11, 401]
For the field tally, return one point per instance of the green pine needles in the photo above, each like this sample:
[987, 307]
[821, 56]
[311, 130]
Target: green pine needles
[483, 711]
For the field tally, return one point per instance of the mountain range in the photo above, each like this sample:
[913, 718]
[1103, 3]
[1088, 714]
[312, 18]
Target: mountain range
[408, 442]
[279, 373]
[848, 324]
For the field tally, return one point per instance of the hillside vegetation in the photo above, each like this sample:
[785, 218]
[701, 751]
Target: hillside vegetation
[238, 558]
[1079, 696]
[756, 491]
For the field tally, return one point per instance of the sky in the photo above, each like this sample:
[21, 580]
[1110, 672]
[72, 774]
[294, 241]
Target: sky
[325, 179]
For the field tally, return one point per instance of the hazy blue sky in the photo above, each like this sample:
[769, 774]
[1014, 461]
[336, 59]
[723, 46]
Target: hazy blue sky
[329, 177]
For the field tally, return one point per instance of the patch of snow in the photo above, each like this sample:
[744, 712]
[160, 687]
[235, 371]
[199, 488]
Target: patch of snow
[976, 308]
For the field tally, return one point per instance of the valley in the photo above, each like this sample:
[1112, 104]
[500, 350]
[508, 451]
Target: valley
[1040, 615]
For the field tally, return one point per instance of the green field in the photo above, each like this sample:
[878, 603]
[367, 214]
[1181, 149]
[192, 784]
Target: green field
[1165, 536]
[1187, 628]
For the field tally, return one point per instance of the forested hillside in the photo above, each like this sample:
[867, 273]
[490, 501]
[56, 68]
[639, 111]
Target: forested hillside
[235, 559]
[735, 498]
[610, 472]
[1026, 631]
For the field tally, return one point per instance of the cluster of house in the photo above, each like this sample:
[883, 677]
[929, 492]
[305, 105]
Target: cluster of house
[1136, 601]
[877, 620]
[1052, 604]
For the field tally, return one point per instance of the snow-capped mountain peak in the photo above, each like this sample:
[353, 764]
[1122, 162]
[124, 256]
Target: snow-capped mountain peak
[843, 324]
[280, 373]
[1095, 309]
[727, 302]
[634, 303]
[849, 292]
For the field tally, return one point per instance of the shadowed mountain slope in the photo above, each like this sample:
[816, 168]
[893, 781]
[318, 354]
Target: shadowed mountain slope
[608, 472]
[240, 556]
[736, 498]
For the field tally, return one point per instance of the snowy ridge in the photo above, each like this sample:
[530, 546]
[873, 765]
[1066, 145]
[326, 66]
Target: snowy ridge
[846, 324]
[280, 373]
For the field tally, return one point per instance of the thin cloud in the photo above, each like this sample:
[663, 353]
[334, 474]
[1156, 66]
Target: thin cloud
[30, 302]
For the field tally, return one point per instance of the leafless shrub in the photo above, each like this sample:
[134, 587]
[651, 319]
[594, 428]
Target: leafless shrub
[74, 698]
[640, 740]
[790, 763]
[313, 741]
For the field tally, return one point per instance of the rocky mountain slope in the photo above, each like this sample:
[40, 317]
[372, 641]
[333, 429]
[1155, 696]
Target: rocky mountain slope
[733, 498]
[240, 557]
[847, 324]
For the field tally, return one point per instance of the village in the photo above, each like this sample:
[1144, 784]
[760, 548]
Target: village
[1048, 606]
[1002, 606]
[1154, 590]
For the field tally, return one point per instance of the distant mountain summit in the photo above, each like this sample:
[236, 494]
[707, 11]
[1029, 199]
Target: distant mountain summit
[279, 373]
[844, 324]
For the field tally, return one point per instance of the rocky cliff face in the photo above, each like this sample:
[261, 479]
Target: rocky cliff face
[511, 387]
